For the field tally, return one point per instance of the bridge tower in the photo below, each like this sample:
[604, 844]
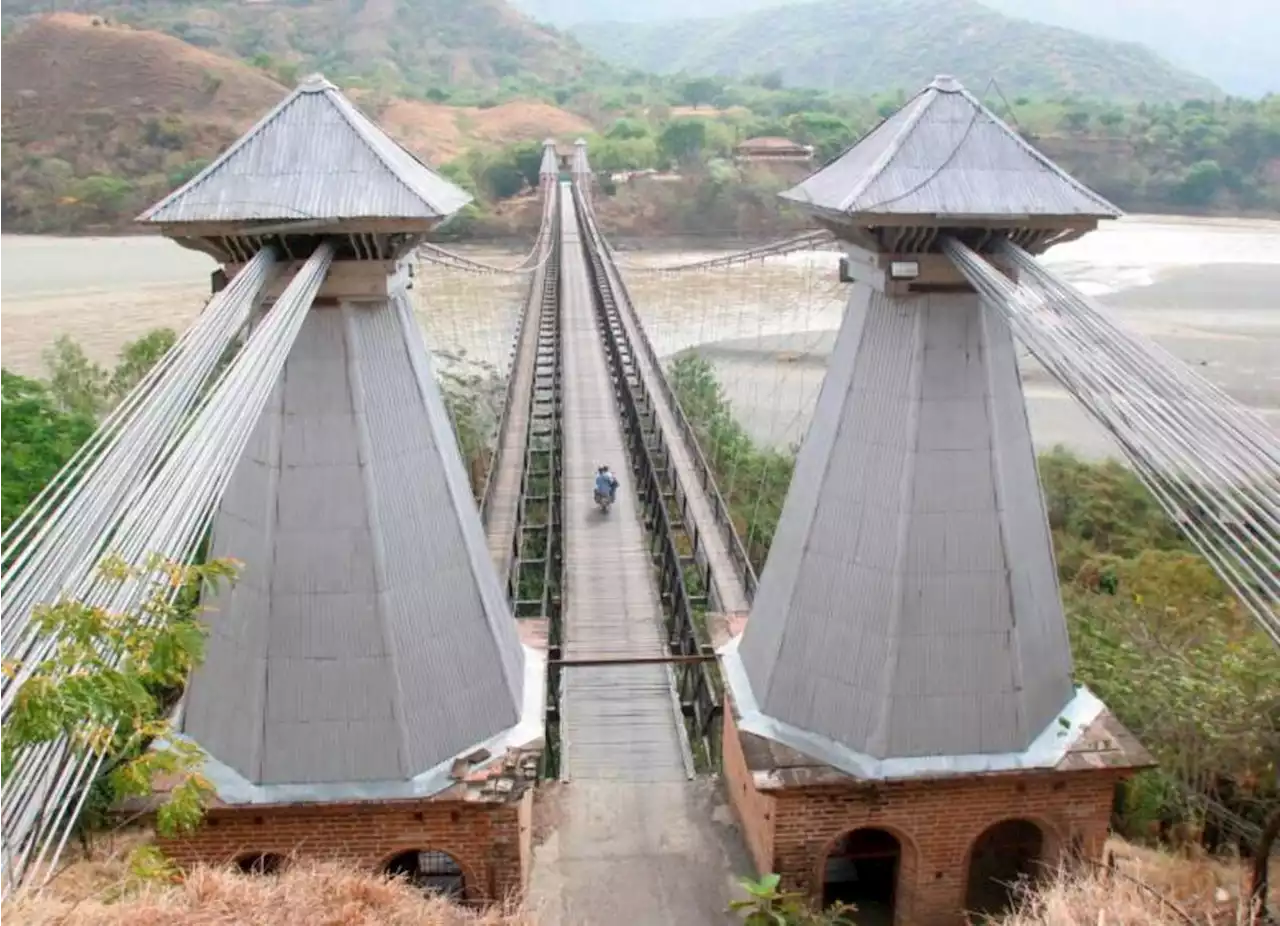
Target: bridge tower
[550, 166]
[365, 693]
[905, 730]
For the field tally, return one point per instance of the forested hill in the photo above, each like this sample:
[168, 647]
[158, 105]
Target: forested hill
[1233, 43]
[390, 45]
[876, 46]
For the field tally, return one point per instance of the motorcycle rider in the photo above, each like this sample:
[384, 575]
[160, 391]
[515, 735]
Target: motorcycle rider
[606, 483]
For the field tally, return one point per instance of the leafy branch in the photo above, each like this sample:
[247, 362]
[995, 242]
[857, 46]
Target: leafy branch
[112, 678]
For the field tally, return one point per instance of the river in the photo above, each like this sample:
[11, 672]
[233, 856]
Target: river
[1207, 290]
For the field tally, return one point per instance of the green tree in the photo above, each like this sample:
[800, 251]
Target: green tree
[700, 90]
[81, 386]
[1200, 184]
[526, 157]
[829, 134]
[36, 440]
[683, 140]
[503, 179]
[1075, 121]
[77, 383]
[624, 154]
[112, 679]
[473, 395]
[624, 129]
[136, 359]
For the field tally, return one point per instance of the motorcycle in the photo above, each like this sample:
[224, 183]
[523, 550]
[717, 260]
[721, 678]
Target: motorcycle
[603, 501]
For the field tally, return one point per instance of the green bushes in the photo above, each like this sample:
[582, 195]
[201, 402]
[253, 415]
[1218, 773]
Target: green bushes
[1154, 632]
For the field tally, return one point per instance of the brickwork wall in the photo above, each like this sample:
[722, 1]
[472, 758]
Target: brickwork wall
[488, 842]
[755, 810]
[936, 823]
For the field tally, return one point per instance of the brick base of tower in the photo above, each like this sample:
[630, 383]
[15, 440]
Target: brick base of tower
[490, 842]
[792, 817]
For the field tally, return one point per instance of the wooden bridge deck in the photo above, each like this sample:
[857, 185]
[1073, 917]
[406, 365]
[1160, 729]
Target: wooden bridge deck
[617, 722]
[730, 591]
[504, 498]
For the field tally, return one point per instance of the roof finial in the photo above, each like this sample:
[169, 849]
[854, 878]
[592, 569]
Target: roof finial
[315, 83]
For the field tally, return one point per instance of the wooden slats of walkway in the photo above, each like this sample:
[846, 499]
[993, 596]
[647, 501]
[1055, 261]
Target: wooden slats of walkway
[729, 588]
[504, 494]
[617, 722]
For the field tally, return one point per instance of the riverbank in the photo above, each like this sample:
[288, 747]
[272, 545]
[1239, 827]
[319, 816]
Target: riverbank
[1207, 290]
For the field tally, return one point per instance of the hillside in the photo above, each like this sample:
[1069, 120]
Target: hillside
[61, 68]
[876, 46]
[1234, 44]
[98, 117]
[404, 47]
[441, 133]
[102, 119]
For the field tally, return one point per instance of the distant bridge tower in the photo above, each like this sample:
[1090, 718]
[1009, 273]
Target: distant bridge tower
[549, 169]
[905, 731]
[365, 693]
[581, 167]
[581, 174]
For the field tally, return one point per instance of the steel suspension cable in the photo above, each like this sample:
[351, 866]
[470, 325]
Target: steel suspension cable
[1168, 456]
[42, 798]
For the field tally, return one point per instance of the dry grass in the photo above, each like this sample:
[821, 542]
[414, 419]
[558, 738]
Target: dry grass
[101, 891]
[1151, 888]
[1102, 899]
[440, 133]
[301, 896]
[58, 68]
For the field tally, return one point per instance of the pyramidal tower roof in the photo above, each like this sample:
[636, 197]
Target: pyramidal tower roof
[368, 640]
[314, 156]
[946, 155]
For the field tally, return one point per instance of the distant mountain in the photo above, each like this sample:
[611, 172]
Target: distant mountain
[394, 44]
[1232, 43]
[869, 46]
[565, 13]
[1236, 43]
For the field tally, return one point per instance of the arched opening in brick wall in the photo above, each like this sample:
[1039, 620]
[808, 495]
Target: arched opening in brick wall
[260, 863]
[862, 869]
[430, 870]
[1006, 856]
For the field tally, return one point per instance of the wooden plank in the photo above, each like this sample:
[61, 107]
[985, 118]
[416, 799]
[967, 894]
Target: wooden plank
[504, 502]
[617, 722]
[729, 588]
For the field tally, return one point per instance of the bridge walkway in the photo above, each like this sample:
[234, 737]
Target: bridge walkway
[631, 839]
[697, 494]
[618, 722]
[502, 502]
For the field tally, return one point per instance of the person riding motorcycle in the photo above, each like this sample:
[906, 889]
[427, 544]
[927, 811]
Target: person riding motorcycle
[606, 483]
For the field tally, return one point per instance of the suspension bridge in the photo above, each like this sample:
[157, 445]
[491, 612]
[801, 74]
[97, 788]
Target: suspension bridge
[409, 636]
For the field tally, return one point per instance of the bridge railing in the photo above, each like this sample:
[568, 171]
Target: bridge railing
[696, 684]
[746, 573]
[546, 238]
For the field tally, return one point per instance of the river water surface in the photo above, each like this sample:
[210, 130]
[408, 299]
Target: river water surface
[1206, 290]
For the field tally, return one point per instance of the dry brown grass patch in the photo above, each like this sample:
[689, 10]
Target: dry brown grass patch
[303, 895]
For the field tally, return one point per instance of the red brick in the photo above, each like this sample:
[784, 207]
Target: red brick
[491, 843]
[791, 831]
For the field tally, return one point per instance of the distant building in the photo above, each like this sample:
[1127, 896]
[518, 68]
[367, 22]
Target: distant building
[773, 148]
